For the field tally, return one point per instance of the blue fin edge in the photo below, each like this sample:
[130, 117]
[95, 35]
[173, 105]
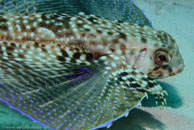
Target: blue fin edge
[23, 113]
[96, 127]
[142, 12]
[122, 115]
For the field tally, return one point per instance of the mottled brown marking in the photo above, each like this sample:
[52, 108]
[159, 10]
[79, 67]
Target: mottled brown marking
[44, 49]
[36, 44]
[77, 55]
[1, 52]
[65, 22]
[150, 85]
[144, 49]
[156, 68]
[13, 45]
[64, 53]
[2, 20]
[170, 70]
[89, 57]
[165, 36]
[4, 27]
[124, 74]
[69, 34]
[61, 58]
[115, 41]
[112, 49]
[143, 40]
[92, 19]
[122, 46]
[110, 33]
[20, 55]
[159, 73]
[160, 37]
[86, 29]
[123, 36]
[135, 85]
[99, 31]
[130, 79]
[9, 48]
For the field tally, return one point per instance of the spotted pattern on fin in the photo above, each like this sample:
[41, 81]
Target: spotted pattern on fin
[73, 92]
[111, 9]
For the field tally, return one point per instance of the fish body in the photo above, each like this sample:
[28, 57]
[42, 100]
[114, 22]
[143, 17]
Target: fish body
[134, 43]
[81, 72]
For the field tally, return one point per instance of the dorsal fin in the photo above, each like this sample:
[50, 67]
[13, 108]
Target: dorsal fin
[4, 7]
[26, 6]
[17, 9]
[111, 9]
[18, 6]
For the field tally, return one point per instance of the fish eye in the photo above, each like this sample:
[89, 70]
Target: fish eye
[161, 57]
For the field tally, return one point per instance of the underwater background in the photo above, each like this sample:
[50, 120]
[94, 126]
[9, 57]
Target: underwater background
[175, 17]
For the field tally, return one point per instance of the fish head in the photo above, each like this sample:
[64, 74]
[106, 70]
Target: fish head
[154, 52]
[165, 58]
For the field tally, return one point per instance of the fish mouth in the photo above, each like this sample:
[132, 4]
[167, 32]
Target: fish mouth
[177, 69]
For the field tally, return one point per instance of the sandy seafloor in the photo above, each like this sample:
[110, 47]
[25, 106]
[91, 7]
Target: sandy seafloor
[177, 18]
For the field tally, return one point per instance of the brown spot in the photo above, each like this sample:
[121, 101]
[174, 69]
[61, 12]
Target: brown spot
[64, 53]
[143, 40]
[135, 85]
[13, 45]
[36, 44]
[3, 20]
[91, 19]
[115, 41]
[68, 34]
[171, 74]
[66, 22]
[9, 48]
[160, 37]
[123, 36]
[150, 85]
[1, 52]
[144, 49]
[112, 49]
[122, 46]
[44, 49]
[165, 36]
[61, 58]
[124, 74]
[110, 33]
[156, 68]
[86, 29]
[170, 70]
[77, 55]
[4, 27]
[131, 79]
[159, 73]
[20, 55]
[99, 31]
[89, 57]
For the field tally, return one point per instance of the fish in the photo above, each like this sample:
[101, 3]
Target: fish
[81, 72]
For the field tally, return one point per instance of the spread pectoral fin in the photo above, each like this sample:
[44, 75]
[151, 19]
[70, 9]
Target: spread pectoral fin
[67, 93]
